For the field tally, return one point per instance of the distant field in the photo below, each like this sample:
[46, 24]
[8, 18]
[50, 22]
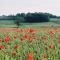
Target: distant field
[7, 23]
[55, 20]
[10, 23]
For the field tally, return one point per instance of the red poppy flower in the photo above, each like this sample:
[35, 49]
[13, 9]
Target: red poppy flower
[16, 46]
[51, 46]
[6, 39]
[30, 56]
[1, 47]
[51, 32]
[26, 36]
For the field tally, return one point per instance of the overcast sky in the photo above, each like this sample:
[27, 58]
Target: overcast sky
[17, 6]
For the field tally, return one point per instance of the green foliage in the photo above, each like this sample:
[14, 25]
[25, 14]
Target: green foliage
[37, 17]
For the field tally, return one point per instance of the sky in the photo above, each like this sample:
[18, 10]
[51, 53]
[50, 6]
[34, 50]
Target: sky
[23, 6]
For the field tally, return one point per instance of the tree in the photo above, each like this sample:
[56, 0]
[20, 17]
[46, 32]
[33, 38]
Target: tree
[36, 17]
[18, 20]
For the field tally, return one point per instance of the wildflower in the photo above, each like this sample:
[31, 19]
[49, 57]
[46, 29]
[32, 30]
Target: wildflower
[15, 36]
[22, 39]
[30, 56]
[26, 36]
[51, 32]
[51, 46]
[1, 47]
[45, 55]
[6, 38]
[31, 30]
[16, 46]
[30, 40]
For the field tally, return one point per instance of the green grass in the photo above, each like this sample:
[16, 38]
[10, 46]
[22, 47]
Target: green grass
[10, 23]
[41, 40]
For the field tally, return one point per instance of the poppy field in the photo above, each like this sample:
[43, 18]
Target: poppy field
[30, 43]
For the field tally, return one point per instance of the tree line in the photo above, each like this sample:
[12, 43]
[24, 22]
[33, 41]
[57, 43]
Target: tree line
[29, 17]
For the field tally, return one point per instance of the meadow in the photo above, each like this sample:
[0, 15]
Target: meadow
[38, 41]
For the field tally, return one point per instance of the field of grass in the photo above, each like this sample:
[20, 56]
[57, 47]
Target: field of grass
[30, 43]
[10, 23]
[34, 41]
